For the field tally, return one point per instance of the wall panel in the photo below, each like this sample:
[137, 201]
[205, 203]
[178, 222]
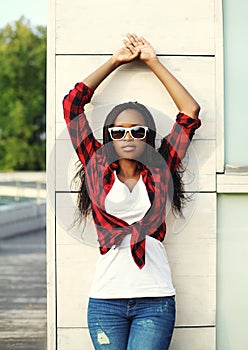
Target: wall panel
[97, 27]
[133, 79]
[135, 82]
[191, 252]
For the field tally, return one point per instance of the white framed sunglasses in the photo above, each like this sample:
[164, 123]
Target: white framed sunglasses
[137, 132]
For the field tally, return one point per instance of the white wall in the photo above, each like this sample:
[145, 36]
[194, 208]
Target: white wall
[187, 37]
[236, 79]
[232, 270]
[232, 204]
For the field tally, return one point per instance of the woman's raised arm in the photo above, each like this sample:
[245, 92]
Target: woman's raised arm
[124, 55]
[182, 98]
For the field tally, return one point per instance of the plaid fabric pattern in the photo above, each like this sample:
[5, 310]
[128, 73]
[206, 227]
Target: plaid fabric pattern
[100, 176]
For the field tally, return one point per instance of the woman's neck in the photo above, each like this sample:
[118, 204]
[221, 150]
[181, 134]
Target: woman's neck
[128, 168]
[128, 173]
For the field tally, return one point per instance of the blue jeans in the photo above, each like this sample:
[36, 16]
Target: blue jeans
[131, 324]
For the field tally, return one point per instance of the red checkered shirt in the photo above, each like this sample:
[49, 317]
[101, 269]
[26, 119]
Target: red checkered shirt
[100, 176]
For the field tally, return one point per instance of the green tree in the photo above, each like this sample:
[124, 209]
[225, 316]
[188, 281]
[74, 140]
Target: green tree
[22, 96]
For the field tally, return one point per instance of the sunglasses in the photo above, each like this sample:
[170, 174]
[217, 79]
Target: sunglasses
[119, 133]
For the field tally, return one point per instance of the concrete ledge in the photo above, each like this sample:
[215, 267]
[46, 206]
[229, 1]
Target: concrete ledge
[234, 180]
[18, 192]
[23, 176]
[22, 217]
[232, 184]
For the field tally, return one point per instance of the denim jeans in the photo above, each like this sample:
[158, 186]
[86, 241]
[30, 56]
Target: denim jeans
[131, 324]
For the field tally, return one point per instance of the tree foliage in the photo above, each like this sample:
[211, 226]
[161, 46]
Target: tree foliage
[22, 96]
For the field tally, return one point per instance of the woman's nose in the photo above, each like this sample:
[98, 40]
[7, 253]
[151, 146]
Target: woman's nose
[128, 136]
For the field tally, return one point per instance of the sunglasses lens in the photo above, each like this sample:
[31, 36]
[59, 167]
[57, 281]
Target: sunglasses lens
[138, 132]
[117, 133]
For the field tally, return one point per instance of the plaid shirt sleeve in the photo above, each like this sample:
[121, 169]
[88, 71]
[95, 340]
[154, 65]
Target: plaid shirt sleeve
[80, 132]
[179, 139]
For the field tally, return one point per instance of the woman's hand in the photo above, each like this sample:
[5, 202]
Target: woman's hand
[126, 54]
[146, 52]
[181, 97]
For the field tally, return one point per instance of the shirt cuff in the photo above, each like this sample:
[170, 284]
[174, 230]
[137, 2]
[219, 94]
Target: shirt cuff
[85, 90]
[188, 122]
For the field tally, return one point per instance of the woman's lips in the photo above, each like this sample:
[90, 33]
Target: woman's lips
[128, 148]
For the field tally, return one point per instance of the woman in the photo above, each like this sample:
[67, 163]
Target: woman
[125, 184]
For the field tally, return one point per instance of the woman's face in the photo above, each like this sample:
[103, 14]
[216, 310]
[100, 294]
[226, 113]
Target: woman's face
[128, 147]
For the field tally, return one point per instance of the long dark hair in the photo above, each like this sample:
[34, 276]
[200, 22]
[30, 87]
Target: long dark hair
[177, 194]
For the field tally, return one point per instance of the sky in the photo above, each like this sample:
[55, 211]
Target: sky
[33, 10]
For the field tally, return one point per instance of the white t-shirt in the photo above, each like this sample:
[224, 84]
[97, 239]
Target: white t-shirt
[117, 275]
